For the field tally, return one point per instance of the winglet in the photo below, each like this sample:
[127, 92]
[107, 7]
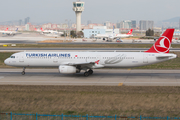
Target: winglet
[163, 44]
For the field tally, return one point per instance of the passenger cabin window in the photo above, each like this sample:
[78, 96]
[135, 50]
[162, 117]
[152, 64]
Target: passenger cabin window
[12, 57]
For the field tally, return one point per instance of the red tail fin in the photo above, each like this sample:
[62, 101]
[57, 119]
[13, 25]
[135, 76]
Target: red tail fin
[42, 29]
[35, 29]
[163, 44]
[130, 32]
[6, 29]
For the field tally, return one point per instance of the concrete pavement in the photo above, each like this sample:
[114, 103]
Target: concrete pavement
[102, 77]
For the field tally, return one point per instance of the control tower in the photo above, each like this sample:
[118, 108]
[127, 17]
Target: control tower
[78, 7]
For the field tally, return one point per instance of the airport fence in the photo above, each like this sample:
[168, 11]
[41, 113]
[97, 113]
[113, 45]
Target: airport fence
[19, 116]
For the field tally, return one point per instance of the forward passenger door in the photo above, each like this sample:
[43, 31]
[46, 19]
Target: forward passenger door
[21, 57]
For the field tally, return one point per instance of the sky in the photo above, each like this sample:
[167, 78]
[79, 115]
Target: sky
[98, 11]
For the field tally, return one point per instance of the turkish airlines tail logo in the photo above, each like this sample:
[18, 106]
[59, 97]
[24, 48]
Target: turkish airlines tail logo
[130, 32]
[163, 44]
[97, 62]
[42, 29]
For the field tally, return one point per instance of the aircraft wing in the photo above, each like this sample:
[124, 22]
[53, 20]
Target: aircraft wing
[83, 63]
[86, 64]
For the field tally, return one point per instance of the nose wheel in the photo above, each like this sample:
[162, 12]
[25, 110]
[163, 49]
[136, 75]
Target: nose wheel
[23, 72]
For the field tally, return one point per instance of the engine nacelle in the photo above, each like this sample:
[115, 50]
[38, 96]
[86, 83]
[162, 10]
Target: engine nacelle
[65, 69]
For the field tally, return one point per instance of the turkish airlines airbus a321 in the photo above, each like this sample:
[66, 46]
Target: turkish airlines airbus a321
[75, 62]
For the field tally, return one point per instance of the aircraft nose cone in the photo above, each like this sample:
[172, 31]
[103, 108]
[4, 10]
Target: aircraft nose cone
[6, 61]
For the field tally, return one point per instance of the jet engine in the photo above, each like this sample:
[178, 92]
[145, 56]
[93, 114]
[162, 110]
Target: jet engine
[65, 69]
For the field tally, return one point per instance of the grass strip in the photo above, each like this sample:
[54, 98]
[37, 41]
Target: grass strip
[91, 100]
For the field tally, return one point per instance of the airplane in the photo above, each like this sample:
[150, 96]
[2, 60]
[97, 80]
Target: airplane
[10, 32]
[51, 32]
[4, 30]
[37, 30]
[114, 36]
[75, 62]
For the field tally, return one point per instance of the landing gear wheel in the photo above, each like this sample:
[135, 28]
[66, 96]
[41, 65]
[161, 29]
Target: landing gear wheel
[86, 74]
[23, 73]
[90, 72]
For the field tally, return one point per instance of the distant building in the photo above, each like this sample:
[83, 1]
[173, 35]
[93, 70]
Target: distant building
[27, 27]
[26, 20]
[108, 24]
[145, 24]
[91, 26]
[133, 23]
[118, 25]
[91, 33]
[20, 22]
[126, 24]
[89, 22]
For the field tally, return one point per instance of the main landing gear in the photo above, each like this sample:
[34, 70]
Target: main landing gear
[23, 72]
[87, 73]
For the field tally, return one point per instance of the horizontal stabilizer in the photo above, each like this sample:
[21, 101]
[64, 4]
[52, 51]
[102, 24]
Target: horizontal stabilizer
[166, 56]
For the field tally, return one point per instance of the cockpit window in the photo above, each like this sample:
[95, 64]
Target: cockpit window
[12, 57]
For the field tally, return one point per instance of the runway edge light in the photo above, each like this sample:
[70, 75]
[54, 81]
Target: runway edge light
[120, 84]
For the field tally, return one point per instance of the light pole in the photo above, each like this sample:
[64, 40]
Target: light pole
[65, 29]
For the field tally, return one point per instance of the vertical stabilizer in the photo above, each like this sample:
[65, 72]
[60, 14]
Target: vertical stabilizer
[163, 44]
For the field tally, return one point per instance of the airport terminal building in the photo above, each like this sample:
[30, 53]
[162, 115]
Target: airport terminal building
[91, 33]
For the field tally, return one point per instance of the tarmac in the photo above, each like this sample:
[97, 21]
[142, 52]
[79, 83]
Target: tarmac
[101, 77]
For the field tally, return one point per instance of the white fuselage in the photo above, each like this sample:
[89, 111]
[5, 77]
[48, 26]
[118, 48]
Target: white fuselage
[8, 32]
[106, 59]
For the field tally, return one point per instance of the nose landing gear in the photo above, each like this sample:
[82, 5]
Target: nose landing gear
[23, 72]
